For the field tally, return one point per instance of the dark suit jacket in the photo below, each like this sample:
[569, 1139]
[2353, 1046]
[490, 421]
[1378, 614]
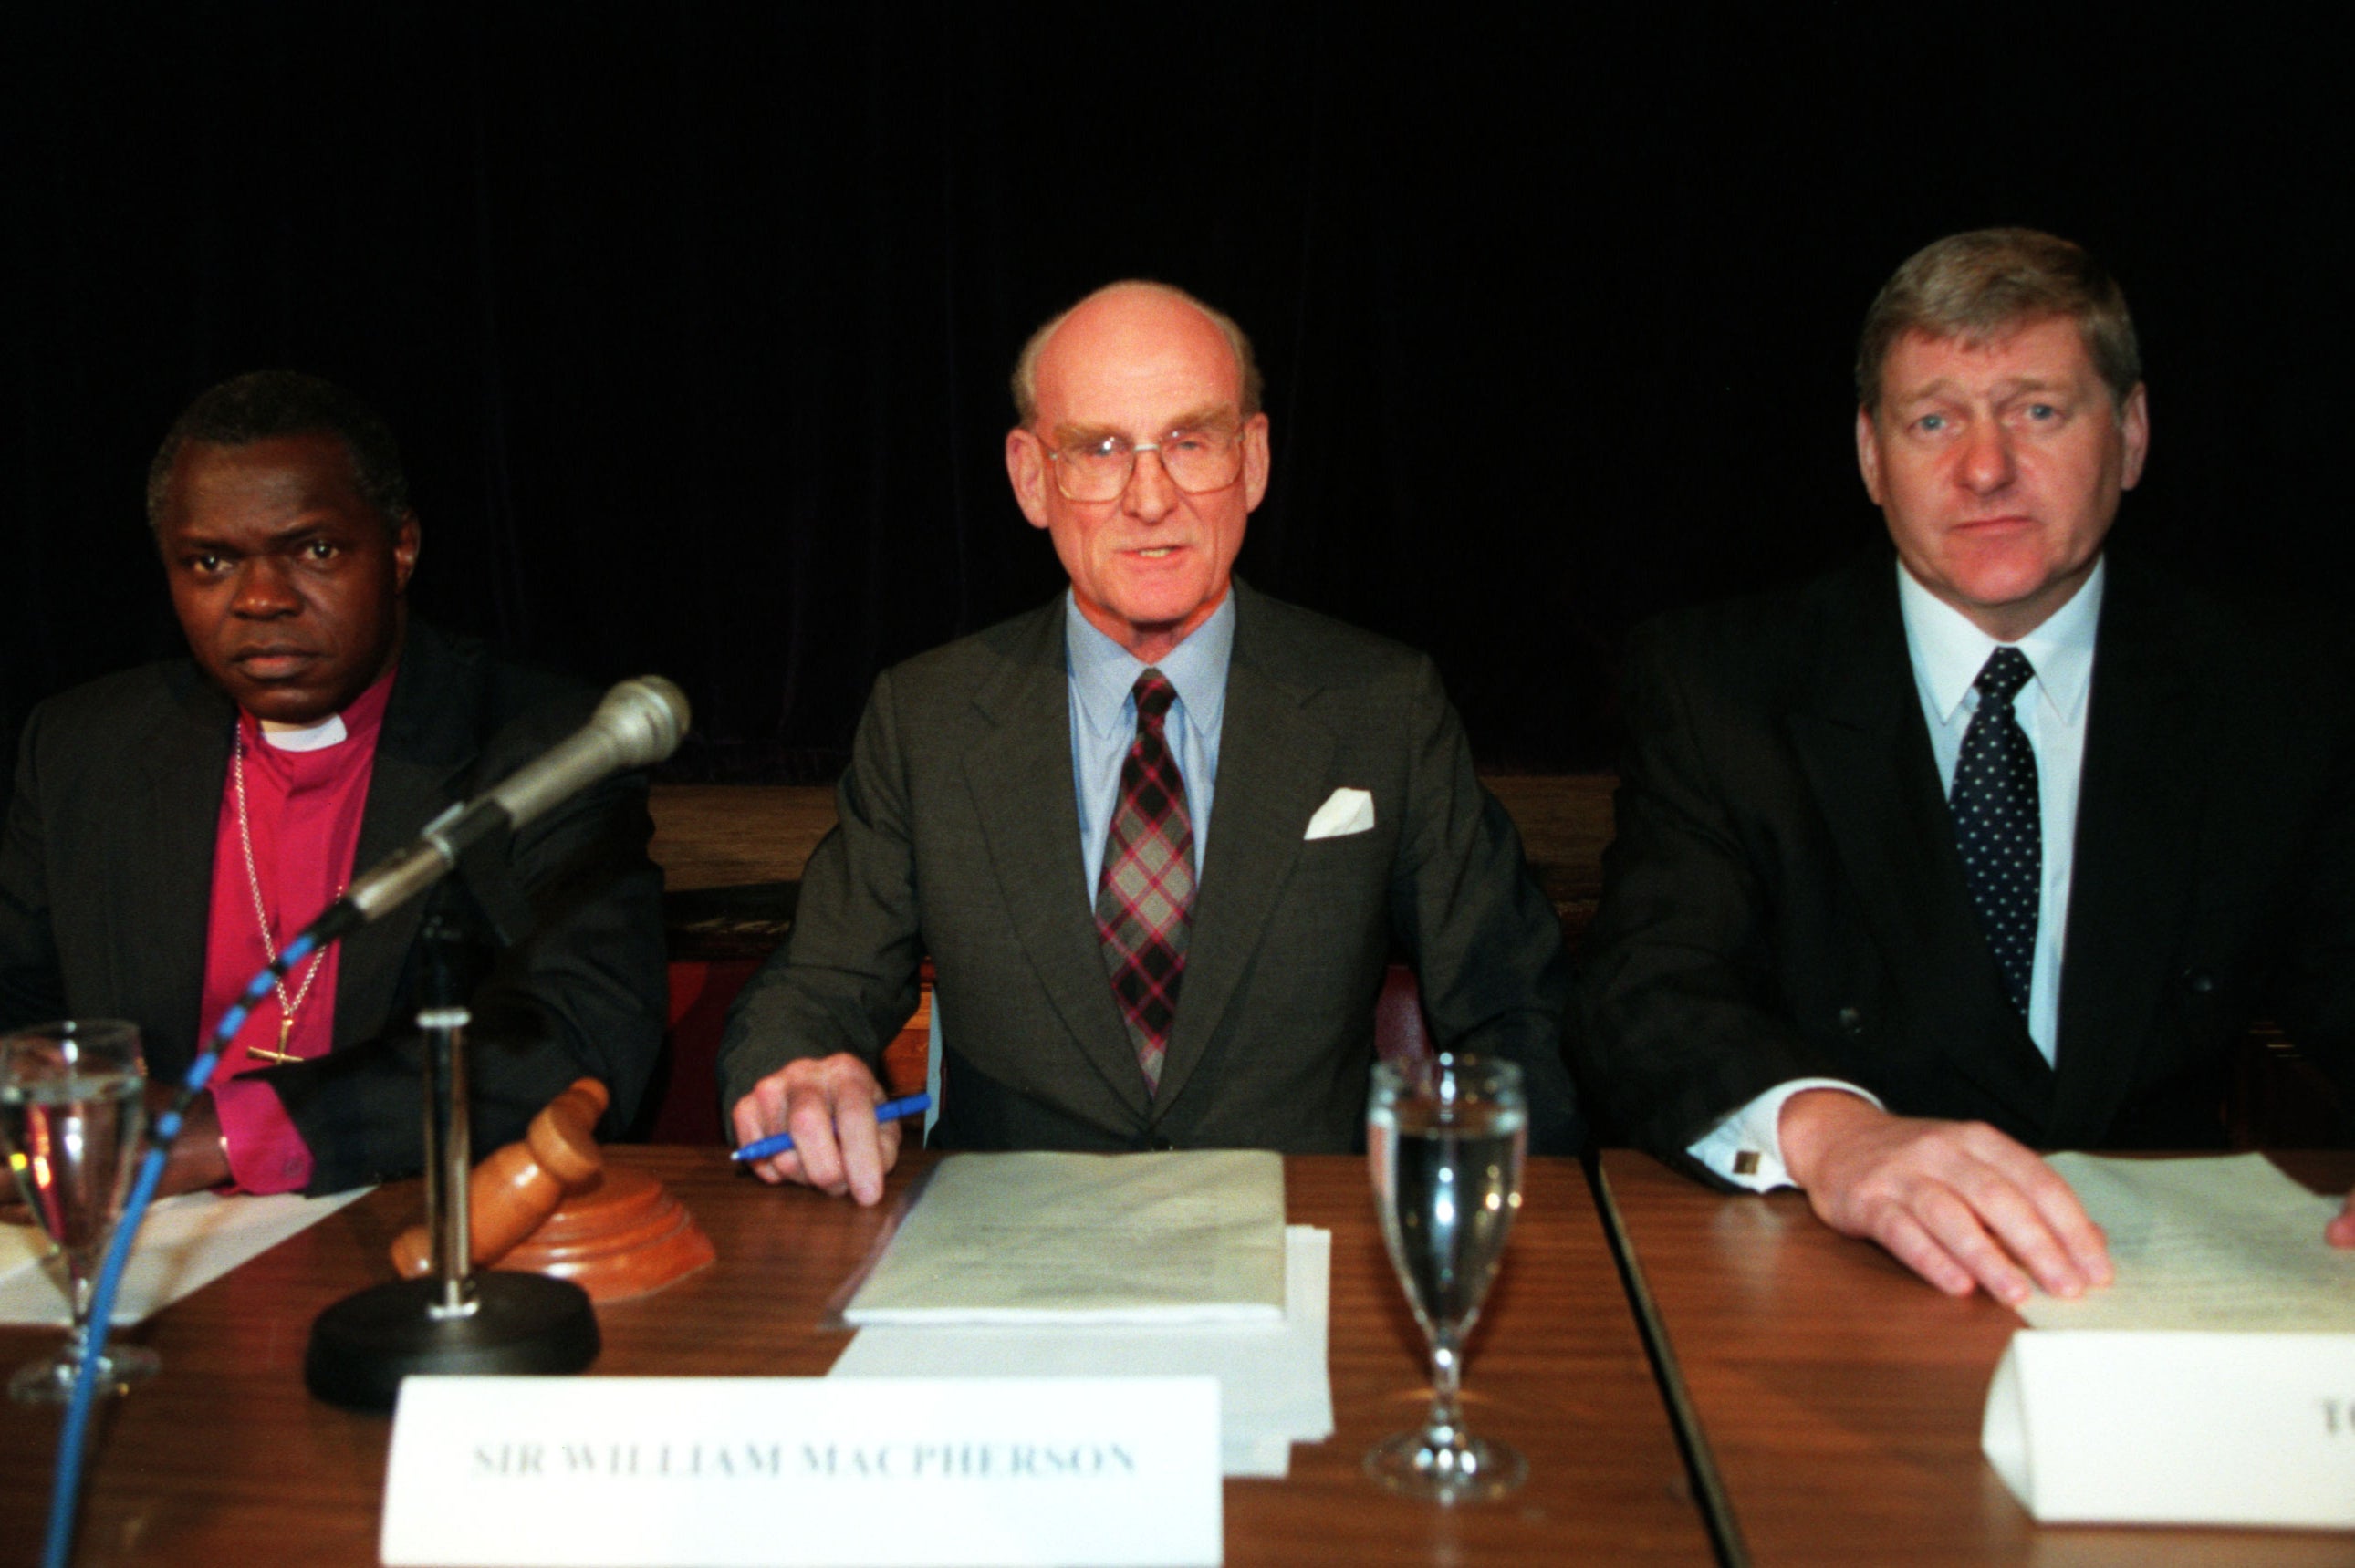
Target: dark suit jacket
[106, 871]
[959, 837]
[1784, 898]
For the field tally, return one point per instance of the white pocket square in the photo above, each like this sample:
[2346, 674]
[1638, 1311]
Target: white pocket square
[1344, 812]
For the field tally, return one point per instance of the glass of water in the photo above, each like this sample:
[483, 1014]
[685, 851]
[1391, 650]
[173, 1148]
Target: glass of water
[72, 1104]
[1445, 1137]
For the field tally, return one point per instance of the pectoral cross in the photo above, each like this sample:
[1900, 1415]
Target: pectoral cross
[280, 1055]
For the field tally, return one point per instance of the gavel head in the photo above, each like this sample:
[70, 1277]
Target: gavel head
[563, 1138]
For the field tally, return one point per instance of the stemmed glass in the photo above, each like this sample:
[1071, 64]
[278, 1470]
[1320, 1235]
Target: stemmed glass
[72, 1103]
[1444, 1138]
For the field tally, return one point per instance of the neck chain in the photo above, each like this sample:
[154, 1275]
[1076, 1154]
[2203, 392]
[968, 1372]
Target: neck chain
[287, 1006]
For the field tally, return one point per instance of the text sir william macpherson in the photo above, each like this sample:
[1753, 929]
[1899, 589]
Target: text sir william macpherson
[955, 1460]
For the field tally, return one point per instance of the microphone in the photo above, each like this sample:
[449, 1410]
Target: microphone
[640, 723]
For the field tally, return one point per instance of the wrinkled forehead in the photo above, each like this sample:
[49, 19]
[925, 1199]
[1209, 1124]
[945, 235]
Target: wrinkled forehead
[2045, 350]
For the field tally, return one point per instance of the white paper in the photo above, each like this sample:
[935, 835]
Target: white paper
[186, 1243]
[2217, 1244]
[1188, 1238]
[717, 1472]
[1274, 1390]
[2177, 1428]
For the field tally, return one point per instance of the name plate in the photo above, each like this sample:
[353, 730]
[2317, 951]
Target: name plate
[2176, 1428]
[669, 1472]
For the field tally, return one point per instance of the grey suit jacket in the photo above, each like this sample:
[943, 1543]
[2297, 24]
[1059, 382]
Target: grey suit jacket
[1783, 897]
[959, 837]
[106, 869]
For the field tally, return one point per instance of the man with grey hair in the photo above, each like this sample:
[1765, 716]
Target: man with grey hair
[1117, 968]
[1993, 847]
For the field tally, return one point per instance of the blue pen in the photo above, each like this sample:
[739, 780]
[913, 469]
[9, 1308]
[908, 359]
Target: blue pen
[889, 1111]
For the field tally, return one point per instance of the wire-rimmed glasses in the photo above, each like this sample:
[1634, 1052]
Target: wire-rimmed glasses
[1197, 460]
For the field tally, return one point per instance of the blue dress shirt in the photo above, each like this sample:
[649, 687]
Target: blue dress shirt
[1103, 675]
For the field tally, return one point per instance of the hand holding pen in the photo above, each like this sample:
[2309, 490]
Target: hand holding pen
[828, 1105]
[889, 1111]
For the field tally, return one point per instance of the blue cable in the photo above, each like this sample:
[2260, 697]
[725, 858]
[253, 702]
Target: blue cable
[58, 1549]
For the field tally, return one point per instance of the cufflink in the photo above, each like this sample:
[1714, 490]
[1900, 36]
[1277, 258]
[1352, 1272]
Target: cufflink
[1746, 1162]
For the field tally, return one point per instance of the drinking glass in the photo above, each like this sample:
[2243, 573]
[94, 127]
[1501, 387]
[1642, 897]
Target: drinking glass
[1445, 1137]
[72, 1103]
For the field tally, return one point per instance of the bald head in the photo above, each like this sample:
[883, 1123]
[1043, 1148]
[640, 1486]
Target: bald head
[1115, 317]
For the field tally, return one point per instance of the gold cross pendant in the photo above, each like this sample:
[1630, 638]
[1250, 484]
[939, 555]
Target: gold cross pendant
[280, 1055]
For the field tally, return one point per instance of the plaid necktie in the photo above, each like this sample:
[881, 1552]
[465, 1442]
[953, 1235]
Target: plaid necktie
[1997, 822]
[1144, 898]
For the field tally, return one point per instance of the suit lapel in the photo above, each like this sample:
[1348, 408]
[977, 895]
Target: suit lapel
[423, 753]
[162, 851]
[1019, 777]
[1867, 755]
[2137, 826]
[1274, 770]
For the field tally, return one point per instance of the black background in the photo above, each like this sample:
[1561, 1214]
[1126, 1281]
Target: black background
[695, 319]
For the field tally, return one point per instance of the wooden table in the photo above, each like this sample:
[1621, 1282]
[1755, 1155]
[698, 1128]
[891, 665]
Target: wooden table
[1833, 1402]
[224, 1459]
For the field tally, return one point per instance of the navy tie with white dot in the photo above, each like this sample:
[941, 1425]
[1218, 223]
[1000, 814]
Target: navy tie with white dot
[1997, 825]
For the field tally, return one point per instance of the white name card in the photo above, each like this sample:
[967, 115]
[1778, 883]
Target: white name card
[2176, 1428]
[848, 1472]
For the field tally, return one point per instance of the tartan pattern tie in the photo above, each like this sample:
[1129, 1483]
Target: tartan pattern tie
[1998, 825]
[1144, 896]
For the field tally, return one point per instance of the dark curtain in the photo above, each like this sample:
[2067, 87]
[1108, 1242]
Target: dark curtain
[694, 319]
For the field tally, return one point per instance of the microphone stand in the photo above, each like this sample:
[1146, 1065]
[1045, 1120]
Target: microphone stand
[453, 1321]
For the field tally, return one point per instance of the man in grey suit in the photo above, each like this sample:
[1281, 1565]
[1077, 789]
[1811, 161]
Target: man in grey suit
[1116, 967]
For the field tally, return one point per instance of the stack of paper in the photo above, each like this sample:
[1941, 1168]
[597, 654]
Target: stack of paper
[1192, 1238]
[2227, 1244]
[1129, 1266]
[2207, 1384]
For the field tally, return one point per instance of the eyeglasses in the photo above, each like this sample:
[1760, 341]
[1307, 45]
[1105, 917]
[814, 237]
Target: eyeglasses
[1196, 462]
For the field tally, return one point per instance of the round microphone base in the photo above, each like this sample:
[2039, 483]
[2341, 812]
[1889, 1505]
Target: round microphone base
[523, 1324]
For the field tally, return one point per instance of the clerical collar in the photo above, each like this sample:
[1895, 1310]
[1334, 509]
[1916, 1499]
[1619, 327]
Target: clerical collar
[327, 732]
[363, 711]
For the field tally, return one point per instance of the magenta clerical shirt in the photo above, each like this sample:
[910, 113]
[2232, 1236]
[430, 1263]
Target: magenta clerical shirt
[303, 810]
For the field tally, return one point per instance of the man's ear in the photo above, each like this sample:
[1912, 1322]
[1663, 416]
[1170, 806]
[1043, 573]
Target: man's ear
[1868, 453]
[404, 552]
[2134, 426]
[1257, 460]
[1025, 466]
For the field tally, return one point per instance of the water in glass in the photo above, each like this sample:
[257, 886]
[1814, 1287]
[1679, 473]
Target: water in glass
[72, 1107]
[1444, 1140]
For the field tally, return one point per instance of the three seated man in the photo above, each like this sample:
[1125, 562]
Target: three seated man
[1991, 844]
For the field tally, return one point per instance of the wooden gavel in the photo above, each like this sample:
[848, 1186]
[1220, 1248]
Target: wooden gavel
[513, 1193]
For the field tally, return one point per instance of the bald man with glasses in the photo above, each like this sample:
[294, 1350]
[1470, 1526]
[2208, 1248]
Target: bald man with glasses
[1158, 837]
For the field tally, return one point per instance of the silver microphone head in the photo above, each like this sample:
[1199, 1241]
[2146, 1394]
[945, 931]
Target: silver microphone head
[647, 717]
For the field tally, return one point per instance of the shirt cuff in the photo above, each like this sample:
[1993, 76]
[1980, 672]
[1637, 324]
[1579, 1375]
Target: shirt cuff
[265, 1153]
[1746, 1148]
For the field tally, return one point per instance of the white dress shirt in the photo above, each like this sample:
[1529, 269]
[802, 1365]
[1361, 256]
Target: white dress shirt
[1947, 653]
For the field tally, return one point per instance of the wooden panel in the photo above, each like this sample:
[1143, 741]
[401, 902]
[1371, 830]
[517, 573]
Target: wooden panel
[1838, 1399]
[225, 1459]
[727, 836]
